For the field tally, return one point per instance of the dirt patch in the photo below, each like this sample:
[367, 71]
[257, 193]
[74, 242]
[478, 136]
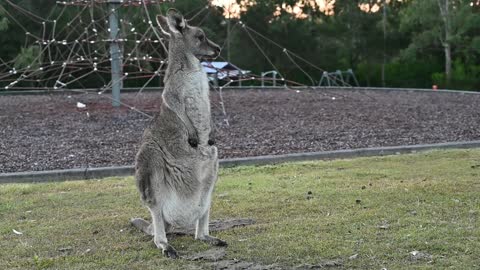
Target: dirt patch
[49, 131]
[217, 225]
[214, 226]
[240, 265]
[213, 254]
[216, 254]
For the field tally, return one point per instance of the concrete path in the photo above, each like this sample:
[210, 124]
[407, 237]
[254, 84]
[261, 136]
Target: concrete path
[98, 173]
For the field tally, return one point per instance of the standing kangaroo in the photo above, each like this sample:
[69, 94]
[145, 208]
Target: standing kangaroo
[177, 164]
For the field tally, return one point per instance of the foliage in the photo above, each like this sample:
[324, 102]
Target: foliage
[412, 45]
[434, 29]
[28, 57]
[463, 75]
[3, 22]
[404, 73]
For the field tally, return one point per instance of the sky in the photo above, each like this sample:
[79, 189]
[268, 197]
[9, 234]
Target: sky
[232, 9]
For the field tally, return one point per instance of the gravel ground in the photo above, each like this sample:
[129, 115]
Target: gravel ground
[44, 132]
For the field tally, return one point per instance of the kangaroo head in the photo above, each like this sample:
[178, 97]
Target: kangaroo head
[189, 38]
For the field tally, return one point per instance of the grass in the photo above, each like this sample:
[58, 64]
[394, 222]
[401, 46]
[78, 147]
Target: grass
[379, 208]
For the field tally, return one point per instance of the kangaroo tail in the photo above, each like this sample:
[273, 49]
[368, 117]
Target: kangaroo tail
[142, 225]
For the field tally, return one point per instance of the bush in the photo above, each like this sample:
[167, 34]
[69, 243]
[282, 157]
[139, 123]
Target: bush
[465, 77]
[399, 73]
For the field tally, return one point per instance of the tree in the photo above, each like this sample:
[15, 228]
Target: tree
[3, 20]
[438, 23]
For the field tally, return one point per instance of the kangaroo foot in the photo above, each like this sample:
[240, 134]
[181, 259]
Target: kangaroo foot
[170, 252]
[167, 250]
[214, 241]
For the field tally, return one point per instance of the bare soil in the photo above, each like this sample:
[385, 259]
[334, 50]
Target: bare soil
[44, 132]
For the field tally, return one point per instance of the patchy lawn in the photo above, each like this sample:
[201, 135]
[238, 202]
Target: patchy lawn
[401, 212]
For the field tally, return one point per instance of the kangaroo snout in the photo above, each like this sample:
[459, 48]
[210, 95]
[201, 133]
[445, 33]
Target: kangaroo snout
[216, 50]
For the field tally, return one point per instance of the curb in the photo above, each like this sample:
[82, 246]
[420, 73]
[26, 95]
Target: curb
[410, 90]
[97, 173]
[65, 175]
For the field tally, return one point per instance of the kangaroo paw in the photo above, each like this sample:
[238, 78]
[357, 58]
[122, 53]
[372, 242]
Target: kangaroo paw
[193, 142]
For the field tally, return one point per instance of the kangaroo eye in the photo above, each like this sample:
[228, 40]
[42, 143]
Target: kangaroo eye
[201, 37]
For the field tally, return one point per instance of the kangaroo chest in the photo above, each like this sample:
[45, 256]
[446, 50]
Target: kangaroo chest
[197, 104]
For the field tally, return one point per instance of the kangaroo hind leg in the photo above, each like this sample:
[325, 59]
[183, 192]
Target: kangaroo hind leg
[146, 179]
[160, 235]
[202, 232]
[143, 175]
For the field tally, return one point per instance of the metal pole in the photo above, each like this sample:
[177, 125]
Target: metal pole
[353, 76]
[228, 39]
[115, 51]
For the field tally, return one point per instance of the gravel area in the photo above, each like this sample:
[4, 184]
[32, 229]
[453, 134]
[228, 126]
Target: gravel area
[44, 132]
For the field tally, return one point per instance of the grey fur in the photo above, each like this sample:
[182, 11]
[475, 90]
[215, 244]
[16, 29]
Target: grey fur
[177, 164]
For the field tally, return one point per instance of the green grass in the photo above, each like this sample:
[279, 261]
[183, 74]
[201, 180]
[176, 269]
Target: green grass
[379, 208]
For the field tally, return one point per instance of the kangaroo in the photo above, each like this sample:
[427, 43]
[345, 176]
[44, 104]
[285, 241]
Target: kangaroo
[177, 164]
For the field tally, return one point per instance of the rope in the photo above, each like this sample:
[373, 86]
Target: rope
[292, 53]
[299, 67]
[260, 49]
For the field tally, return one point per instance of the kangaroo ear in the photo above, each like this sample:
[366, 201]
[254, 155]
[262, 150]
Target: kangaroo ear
[175, 20]
[163, 24]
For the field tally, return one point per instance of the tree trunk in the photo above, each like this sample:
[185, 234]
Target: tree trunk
[384, 42]
[445, 13]
[448, 47]
[448, 63]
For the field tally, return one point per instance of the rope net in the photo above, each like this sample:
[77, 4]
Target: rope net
[69, 48]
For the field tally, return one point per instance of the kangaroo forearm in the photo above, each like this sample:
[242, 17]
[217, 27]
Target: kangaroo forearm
[211, 136]
[179, 110]
[188, 124]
